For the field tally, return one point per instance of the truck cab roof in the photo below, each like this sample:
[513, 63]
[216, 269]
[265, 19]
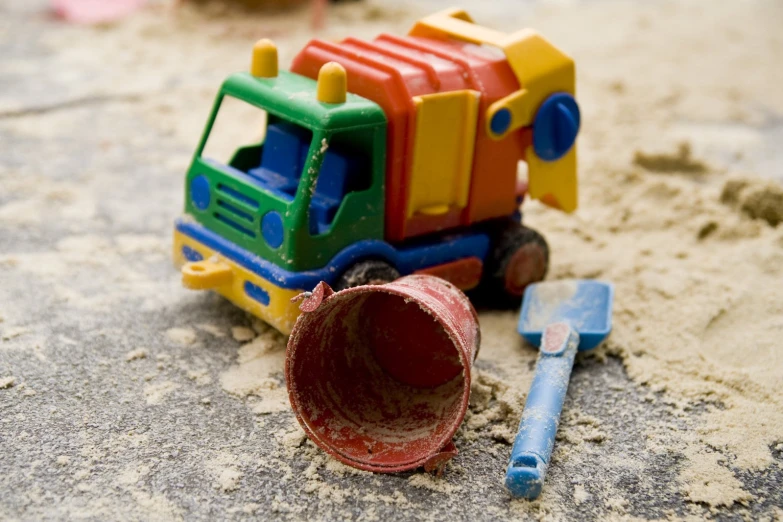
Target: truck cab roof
[293, 97]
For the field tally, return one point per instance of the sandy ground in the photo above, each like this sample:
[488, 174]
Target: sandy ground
[125, 397]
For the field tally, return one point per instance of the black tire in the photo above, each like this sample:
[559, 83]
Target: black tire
[519, 257]
[371, 272]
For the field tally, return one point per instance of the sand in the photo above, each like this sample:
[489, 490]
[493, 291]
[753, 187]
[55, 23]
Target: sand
[680, 207]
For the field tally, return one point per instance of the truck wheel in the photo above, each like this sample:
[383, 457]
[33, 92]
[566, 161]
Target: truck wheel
[372, 272]
[520, 257]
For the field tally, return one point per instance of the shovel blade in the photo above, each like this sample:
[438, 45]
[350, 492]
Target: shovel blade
[585, 305]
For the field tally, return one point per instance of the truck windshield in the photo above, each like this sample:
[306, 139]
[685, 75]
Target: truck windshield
[269, 149]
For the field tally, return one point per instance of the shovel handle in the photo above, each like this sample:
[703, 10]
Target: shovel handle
[536, 437]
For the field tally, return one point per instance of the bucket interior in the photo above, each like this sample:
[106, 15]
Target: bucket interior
[377, 379]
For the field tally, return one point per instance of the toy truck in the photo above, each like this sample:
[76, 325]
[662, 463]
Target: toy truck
[375, 159]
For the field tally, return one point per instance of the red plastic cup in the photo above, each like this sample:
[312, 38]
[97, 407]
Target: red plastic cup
[379, 375]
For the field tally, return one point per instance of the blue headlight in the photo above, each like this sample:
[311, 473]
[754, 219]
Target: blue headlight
[199, 192]
[272, 228]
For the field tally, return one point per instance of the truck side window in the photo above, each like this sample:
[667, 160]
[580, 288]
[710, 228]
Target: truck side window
[346, 168]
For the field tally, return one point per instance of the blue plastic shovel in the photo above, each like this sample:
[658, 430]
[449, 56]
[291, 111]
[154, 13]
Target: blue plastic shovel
[561, 317]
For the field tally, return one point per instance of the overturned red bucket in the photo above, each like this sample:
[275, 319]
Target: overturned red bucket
[379, 375]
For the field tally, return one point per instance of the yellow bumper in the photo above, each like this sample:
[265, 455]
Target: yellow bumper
[245, 289]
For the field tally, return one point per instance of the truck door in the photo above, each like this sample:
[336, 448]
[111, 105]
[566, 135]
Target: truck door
[445, 135]
[351, 163]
